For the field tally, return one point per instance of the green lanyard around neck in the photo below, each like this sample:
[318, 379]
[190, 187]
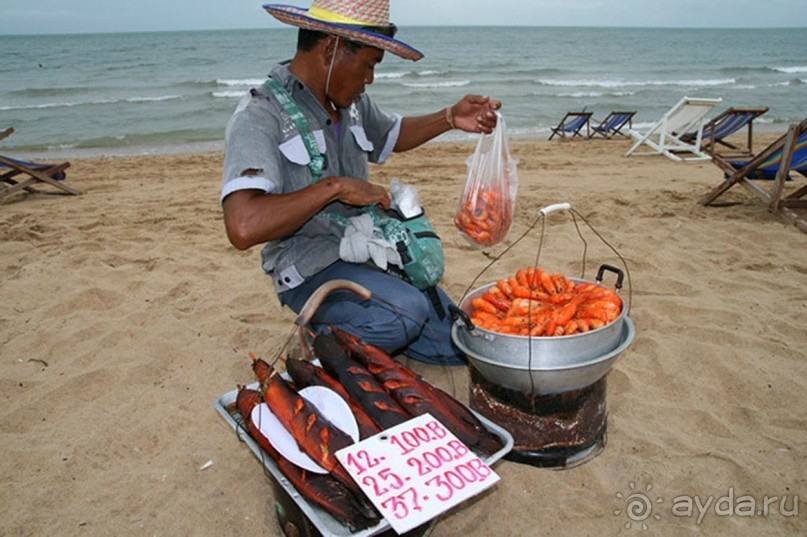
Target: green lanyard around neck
[317, 162]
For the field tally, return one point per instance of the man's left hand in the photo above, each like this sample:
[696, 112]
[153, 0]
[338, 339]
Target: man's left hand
[475, 113]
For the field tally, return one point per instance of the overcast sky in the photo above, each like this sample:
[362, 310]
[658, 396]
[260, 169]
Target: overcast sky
[78, 16]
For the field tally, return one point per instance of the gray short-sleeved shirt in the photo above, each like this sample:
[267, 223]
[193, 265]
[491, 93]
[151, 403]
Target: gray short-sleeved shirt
[261, 137]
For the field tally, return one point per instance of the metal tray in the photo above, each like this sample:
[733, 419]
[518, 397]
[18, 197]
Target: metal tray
[324, 522]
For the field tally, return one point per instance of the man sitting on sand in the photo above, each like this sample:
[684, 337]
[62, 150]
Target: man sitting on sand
[289, 167]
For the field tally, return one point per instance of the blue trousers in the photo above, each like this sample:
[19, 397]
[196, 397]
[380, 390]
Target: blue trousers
[398, 318]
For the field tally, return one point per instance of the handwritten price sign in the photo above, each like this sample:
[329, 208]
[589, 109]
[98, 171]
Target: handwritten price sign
[415, 471]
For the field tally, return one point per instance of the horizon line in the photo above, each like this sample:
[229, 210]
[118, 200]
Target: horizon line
[286, 28]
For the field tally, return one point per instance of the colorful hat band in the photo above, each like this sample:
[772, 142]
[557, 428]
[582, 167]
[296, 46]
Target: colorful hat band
[329, 16]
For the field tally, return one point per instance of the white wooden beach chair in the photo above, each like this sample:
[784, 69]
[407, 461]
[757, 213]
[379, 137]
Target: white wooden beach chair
[664, 137]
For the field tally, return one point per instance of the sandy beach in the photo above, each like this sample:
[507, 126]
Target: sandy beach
[125, 313]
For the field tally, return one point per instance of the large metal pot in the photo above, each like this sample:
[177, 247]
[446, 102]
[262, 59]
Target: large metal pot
[555, 361]
[537, 352]
[550, 376]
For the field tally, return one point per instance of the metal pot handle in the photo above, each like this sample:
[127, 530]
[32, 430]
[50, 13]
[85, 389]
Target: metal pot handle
[457, 313]
[619, 275]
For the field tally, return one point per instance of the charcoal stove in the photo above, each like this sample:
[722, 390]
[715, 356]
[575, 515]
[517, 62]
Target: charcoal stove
[560, 430]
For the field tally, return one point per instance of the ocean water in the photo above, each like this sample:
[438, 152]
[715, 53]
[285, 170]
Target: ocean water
[147, 93]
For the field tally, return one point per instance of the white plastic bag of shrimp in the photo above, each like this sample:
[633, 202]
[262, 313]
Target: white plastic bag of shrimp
[485, 209]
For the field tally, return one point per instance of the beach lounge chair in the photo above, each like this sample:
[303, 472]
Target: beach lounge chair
[571, 124]
[664, 137]
[613, 124]
[788, 153]
[729, 122]
[17, 175]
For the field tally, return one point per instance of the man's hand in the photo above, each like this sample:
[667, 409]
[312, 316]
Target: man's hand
[475, 113]
[360, 193]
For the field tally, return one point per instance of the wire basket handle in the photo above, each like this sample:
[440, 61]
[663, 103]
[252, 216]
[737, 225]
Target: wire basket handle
[555, 207]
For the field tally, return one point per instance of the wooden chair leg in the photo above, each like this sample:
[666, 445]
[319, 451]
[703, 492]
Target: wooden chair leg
[784, 168]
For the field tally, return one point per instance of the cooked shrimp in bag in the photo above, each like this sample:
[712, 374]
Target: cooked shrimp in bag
[485, 209]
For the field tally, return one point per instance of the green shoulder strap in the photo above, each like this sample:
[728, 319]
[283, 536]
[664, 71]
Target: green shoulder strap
[317, 162]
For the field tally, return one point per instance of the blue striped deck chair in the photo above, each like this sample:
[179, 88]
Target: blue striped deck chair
[19, 175]
[571, 124]
[613, 124]
[788, 153]
[729, 122]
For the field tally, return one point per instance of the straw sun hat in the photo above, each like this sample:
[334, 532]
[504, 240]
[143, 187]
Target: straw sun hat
[345, 18]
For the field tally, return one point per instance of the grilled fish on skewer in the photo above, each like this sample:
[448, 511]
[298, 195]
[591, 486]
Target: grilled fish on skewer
[314, 434]
[359, 383]
[322, 489]
[306, 374]
[417, 396]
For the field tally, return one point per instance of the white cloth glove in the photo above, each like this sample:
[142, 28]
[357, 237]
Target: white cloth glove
[363, 241]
